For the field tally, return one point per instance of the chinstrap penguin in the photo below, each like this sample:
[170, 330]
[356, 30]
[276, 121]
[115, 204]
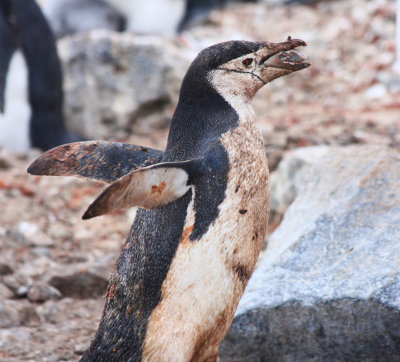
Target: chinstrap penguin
[204, 208]
[31, 94]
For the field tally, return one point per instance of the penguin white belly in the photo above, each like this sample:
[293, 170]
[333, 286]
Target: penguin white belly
[14, 122]
[217, 267]
[151, 16]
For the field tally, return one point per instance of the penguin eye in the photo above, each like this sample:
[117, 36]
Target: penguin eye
[247, 62]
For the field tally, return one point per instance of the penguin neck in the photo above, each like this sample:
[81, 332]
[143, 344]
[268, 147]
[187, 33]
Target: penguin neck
[202, 116]
[236, 92]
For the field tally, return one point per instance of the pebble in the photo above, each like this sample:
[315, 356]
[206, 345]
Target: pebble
[5, 269]
[40, 292]
[30, 234]
[18, 283]
[377, 91]
[80, 285]
[80, 348]
[5, 292]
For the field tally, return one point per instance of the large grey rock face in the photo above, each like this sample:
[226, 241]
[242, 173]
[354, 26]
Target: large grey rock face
[112, 79]
[328, 287]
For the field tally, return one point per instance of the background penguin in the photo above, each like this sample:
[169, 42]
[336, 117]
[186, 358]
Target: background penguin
[197, 10]
[151, 16]
[72, 16]
[195, 242]
[31, 95]
[163, 17]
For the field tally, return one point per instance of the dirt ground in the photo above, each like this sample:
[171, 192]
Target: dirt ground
[350, 95]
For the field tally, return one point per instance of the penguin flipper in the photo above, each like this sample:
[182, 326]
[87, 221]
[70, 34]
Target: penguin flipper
[95, 160]
[149, 187]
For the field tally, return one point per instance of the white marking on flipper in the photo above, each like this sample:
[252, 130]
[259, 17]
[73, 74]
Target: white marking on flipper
[148, 187]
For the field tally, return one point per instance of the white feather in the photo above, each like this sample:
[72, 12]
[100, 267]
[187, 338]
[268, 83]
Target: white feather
[151, 16]
[14, 122]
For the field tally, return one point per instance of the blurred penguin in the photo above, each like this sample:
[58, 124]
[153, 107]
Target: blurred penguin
[196, 11]
[75, 16]
[31, 97]
[162, 17]
[151, 16]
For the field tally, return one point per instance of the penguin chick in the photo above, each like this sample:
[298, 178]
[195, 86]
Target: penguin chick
[205, 201]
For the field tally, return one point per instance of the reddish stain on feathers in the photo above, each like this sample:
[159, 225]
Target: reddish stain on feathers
[158, 188]
[111, 293]
[186, 234]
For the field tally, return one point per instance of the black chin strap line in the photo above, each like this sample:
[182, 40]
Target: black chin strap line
[241, 71]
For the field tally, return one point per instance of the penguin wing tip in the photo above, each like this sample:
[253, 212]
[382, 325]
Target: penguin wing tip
[31, 169]
[34, 168]
[87, 214]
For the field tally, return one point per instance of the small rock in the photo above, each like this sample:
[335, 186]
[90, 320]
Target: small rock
[9, 317]
[40, 292]
[5, 269]
[8, 337]
[370, 138]
[377, 91]
[50, 312]
[81, 348]
[42, 252]
[3, 232]
[22, 291]
[29, 234]
[5, 292]
[59, 232]
[27, 229]
[80, 285]
[15, 313]
[18, 283]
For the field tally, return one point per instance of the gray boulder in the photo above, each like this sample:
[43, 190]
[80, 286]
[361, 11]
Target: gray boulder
[289, 175]
[328, 286]
[112, 80]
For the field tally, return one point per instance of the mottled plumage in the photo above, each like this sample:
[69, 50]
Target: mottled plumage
[188, 257]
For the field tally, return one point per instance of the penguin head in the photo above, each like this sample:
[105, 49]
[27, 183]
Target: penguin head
[241, 68]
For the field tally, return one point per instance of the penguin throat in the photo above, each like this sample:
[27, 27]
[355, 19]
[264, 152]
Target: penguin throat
[236, 90]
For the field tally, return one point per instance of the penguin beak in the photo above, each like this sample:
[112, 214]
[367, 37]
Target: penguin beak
[284, 56]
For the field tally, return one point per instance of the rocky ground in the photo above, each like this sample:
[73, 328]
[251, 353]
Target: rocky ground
[54, 266]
